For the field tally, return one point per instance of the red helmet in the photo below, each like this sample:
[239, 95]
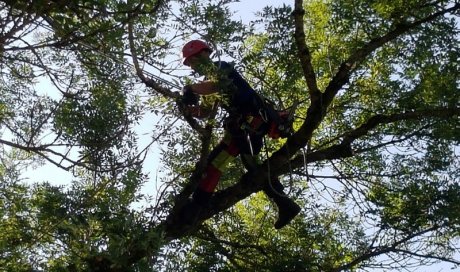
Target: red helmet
[192, 48]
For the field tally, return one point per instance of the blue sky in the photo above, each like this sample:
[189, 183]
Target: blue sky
[245, 10]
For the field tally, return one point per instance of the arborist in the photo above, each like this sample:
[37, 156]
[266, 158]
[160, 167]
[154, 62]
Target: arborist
[248, 121]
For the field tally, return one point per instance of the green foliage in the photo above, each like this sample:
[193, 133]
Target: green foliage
[415, 206]
[211, 20]
[59, 228]
[269, 58]
[96, 121]
[245, 240]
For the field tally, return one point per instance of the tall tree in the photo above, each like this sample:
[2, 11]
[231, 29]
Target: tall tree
[373, 160]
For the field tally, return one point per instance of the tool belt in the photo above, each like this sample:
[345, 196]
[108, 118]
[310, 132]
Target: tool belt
[267, 121]
[249, 124]
[280, 122]
[276, 124]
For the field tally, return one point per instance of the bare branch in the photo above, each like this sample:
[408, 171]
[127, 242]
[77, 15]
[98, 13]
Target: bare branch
[147, 81]
[380, 250]
[386, 119]
[160, 89]
[429, 256]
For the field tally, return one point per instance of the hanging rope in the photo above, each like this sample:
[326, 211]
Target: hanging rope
[270, 183]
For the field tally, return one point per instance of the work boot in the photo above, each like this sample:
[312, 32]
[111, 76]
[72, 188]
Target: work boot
[287, 208]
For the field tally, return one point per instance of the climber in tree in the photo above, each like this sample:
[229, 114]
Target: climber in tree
[248, 120]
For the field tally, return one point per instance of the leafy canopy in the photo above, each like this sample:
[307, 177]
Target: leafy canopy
[92, 88]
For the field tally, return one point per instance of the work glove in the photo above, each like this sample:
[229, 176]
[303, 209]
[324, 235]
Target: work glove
[189, 98]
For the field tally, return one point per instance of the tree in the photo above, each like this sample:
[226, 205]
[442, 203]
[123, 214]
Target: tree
[373, 160]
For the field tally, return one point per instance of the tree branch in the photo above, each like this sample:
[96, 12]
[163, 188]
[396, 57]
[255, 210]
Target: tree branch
[211, 237]
[147, 81]
[344, 150]
[379, 119]
[303, 51]
[429, 256]
[254, 181]
[374, 252]
[344, 72]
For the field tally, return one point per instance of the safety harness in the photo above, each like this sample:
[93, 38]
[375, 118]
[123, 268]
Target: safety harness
[279, 121]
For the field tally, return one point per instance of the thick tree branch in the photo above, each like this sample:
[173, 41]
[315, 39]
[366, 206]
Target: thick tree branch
[254, 181]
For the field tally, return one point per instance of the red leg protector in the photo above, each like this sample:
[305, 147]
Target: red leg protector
[210, 180]
[219, 158]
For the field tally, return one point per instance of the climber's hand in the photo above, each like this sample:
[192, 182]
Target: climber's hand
[189, 98]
